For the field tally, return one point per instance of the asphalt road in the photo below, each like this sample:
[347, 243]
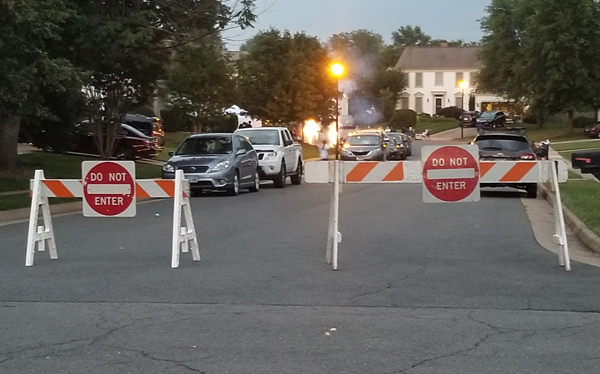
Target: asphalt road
[421, 288]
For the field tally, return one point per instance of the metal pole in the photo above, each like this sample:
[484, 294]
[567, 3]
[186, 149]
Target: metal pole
[337, 112]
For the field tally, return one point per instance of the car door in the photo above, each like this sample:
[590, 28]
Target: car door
[244, 160]
[289, 150]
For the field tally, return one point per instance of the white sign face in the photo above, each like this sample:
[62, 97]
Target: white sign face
[450, 173]
[108, 188]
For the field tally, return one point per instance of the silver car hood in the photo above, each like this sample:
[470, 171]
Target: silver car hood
[203, 160]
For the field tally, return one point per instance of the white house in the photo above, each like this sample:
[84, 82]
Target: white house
[434, 76]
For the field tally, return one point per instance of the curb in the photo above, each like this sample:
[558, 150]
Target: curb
[581, 231]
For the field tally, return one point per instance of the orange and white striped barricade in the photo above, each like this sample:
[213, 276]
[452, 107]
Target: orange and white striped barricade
[184, 237]
[338, 172]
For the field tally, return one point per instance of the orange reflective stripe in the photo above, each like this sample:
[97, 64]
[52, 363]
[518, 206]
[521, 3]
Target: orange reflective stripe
[517, 172]
[484, 167]
[58, 188]
[396, 174]
[360, 171]
[168, 186]
[140, 192]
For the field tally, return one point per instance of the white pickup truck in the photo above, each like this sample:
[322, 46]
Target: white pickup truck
[279, 156]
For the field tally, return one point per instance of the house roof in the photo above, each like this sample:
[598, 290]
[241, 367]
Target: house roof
[439, 58]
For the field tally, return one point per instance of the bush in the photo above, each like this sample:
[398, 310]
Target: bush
[225, 123]
[529, 117]
[583, 122]
[175, 119]
[424, 115]
[403, 118]
[450, 112]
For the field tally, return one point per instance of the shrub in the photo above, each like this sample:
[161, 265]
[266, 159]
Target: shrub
[450, 112]
[403, 118]
[582, 122]
[175, 119]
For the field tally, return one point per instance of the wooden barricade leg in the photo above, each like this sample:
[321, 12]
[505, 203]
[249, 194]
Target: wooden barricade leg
[39, 234]
[187, 234]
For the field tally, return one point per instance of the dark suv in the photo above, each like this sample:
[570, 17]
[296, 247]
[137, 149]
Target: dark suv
[149, 126]
[492, 119]
[499, 146]
[468, 119]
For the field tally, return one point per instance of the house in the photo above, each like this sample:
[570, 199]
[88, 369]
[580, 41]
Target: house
[443, 76]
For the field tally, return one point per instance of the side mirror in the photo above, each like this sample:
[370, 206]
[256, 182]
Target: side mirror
[171, 153]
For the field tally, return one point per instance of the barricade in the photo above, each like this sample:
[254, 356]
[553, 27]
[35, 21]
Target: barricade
[184, 236]
[338, 172]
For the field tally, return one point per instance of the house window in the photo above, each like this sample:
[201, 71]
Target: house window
[439, 79]
[459, 102]
[419, 80]
[473, 80]
[459, 78]
[404, 102]
[406, 79]
[419, 104]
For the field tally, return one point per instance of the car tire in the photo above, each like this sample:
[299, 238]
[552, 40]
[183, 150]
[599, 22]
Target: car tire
[256, 185]
[279, 182]
[234, 190]
[532, 190]
[297, 178]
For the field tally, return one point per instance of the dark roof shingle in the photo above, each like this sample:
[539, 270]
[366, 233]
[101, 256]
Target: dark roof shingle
[439, 58]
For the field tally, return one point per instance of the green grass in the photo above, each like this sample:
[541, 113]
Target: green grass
[582, 197]
[436, 125]
[581, 144]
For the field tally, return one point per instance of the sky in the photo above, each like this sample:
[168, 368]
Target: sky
[440, 19]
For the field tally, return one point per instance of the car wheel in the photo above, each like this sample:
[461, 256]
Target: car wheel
[280, 180]
[234, 190]
[532, 190]
[256, 186]
[297, 178]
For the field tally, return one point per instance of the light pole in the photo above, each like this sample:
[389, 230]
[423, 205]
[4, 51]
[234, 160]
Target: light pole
[337, 69]
[462, 85]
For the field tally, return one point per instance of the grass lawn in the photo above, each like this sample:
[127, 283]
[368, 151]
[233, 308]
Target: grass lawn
[582, 197]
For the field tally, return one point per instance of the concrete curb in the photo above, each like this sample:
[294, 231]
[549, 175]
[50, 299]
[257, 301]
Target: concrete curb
[581, 231]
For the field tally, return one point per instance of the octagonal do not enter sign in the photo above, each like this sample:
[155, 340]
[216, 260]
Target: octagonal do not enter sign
[108, 188]
[450, 173]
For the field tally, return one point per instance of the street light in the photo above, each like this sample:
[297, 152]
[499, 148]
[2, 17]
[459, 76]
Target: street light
[337, 69]
[463, 85]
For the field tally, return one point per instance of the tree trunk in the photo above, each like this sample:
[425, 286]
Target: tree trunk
[571, 122]
[9, 139]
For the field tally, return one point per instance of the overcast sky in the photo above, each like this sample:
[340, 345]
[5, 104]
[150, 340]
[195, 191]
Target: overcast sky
[440, 19]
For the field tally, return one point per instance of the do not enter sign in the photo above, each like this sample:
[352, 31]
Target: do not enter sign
[108, 188]
[450, 173]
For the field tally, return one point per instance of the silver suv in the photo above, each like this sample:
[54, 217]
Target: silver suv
[364, 146]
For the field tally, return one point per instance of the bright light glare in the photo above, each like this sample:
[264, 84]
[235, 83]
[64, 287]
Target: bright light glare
[337, 69]
[311, 131]
[331, 135]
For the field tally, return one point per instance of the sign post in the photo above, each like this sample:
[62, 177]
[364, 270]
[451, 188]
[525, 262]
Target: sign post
[108, 188]
[450, 174]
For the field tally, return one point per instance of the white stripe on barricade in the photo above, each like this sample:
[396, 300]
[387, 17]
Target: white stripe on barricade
[337, 172]
[184, 237]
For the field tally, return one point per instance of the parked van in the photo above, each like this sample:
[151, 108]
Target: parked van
[150, 126]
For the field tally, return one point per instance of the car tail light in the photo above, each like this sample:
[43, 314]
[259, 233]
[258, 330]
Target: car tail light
[527, 156]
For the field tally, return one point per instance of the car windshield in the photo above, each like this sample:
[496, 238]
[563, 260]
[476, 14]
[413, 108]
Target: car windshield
[395, 136]
[363, 140]
[485, 115]
[205, 146]
[513, 145]
[261, 137]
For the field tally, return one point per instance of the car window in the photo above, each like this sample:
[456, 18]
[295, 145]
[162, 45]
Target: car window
[205, 146]
[286, 135]
[502, 144]
[246, 144]
[486, 115]
[363, 140]
[261, 137]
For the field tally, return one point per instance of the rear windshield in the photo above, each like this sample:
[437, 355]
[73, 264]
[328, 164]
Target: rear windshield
[363, 140]
[205, 146]
[143, 126]
[485, 115]
[508, 144]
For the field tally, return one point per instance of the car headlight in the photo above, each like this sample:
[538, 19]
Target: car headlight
[374, 152]
[270, 156]
[220, 166]
[347, 152]
[168, 168]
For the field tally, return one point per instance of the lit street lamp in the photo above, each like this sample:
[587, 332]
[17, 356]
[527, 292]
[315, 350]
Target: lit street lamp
[337, 69]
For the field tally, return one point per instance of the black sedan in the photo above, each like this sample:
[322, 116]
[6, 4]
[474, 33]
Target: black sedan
[215, 161]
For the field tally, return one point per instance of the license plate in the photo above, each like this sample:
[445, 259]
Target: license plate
[193, 179]
[360, 159]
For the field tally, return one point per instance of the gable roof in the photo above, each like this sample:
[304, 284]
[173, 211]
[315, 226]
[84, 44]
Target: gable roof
[439, 58]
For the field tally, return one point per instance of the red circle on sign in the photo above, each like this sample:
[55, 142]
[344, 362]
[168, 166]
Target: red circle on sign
[108, 188]
[451, 173]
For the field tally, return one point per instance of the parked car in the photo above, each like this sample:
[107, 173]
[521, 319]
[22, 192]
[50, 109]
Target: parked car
[593, 131]
[400, 147]
[407, 143]
[279, 156]
[491, 119]
[504, 146]
[215, 161]
[150, 126]
[130, 143]
[468, 119]
[364, 147]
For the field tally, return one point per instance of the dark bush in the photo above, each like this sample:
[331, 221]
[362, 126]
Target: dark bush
[143, 110]
[225, 123]
[529, 117]
[450, 112]
[176, 119]
[403, 118]
[582, 122]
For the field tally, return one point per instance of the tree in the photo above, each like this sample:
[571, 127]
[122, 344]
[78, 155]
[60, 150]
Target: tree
[199, 81]
[409, 35]
[29, 65]
[284, 78]
[543, 53]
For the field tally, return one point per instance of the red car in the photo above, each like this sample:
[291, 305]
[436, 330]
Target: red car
[593, 131]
